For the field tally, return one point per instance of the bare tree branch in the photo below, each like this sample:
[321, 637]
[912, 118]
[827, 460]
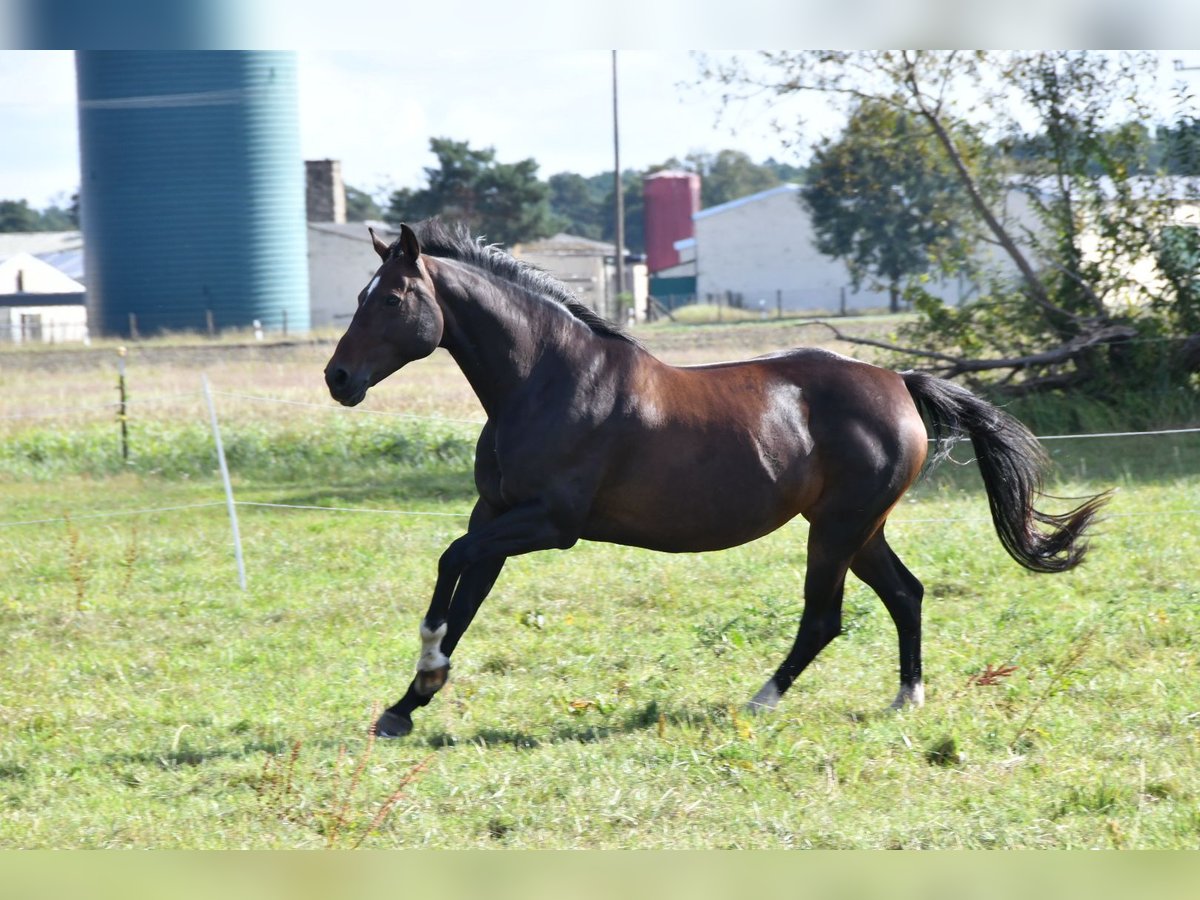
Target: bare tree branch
[957, 365]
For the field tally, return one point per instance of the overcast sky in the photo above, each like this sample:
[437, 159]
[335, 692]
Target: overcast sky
[375, 111]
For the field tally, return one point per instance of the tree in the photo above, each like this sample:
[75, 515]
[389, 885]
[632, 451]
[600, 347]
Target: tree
[730, 174]
[884, 199]
[1068, 316]
[17, 215]
[578, 203]
[503, 202]
[635, 210]
[1178, 146]
[785, 172]
[55, 218]
[361, 206]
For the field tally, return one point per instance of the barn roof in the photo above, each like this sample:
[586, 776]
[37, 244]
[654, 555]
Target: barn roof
[745, 201]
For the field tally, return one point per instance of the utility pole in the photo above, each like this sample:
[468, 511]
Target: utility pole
[620, 194]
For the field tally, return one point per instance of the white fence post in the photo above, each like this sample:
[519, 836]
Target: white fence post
[233, 522]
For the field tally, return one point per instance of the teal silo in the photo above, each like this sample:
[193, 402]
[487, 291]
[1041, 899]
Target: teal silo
[192, 190]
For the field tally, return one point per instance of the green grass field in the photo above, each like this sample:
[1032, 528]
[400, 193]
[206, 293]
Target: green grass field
[146, 701]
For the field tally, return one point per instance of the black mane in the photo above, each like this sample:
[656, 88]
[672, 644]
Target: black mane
[455, 242]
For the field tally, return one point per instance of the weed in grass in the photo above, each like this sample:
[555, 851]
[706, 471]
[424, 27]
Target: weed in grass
[76, 563]
[336, 820]
[276, 782]
[1059, 675]
[129, 559]
[991, 676]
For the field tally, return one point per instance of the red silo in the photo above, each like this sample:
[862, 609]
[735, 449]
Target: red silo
[671, 199]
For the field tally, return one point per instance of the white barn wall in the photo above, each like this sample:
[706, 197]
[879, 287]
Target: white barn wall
[763, 247]
[46, 324]
[763, 243]
[341, 261]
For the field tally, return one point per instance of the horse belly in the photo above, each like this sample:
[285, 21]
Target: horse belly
[689, 497]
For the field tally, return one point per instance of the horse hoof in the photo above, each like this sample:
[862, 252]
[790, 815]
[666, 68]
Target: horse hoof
[911, 696]
[765, 700]
[392, 725]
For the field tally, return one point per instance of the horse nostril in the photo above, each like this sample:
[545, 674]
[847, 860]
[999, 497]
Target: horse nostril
[337, 378]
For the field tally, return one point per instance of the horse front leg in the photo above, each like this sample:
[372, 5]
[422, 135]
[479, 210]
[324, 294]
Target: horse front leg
[437, 643]
[467, 571]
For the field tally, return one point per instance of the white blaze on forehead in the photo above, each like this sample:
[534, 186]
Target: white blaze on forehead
[374, 284]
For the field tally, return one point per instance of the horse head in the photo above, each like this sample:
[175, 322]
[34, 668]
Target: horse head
[397, 321]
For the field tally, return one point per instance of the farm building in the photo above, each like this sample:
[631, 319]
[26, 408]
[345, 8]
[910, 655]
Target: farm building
[191, 193]
[759, 251]
[672, 199]
[340, 263]
[41, 289]
[588, 268]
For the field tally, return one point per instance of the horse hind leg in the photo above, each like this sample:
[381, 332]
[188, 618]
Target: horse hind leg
[877, 565]
[831, 546]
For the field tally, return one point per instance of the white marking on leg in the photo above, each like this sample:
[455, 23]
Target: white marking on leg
[432, 657]
[910, 695]
[766, 699]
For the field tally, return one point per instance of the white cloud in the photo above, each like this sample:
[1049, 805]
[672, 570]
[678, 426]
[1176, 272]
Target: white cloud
[377, 110]
[39, 153]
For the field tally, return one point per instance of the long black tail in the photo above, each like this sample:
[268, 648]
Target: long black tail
[1012, 462]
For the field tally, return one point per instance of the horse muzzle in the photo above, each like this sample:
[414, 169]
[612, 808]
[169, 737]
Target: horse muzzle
[345, 388]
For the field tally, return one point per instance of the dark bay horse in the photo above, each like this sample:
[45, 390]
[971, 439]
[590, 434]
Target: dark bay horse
[589, 436]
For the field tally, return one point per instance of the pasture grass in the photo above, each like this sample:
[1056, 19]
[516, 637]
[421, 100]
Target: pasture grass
[146, 701]
[717, 313]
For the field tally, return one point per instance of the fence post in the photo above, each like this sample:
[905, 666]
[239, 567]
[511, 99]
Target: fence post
[208, 320]
[133, 331]
[779, 303]
[229, 501]
[285, 323]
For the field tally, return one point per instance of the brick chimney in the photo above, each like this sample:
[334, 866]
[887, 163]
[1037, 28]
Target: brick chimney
[326, 194]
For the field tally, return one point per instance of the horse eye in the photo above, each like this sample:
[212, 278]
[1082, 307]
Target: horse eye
[392, 300]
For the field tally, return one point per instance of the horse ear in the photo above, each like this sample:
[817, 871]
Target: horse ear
[380, 247]
[409, 245]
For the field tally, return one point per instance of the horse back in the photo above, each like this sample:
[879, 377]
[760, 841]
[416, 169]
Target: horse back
[715, 455]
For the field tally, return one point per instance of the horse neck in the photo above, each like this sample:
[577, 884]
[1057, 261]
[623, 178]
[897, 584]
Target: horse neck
[498, 332]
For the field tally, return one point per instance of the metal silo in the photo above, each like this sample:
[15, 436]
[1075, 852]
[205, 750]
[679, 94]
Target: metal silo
[192, 190]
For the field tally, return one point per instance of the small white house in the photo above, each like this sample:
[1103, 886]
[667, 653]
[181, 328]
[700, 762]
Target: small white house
[341, 261]
[589, 269]
[38, 302]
